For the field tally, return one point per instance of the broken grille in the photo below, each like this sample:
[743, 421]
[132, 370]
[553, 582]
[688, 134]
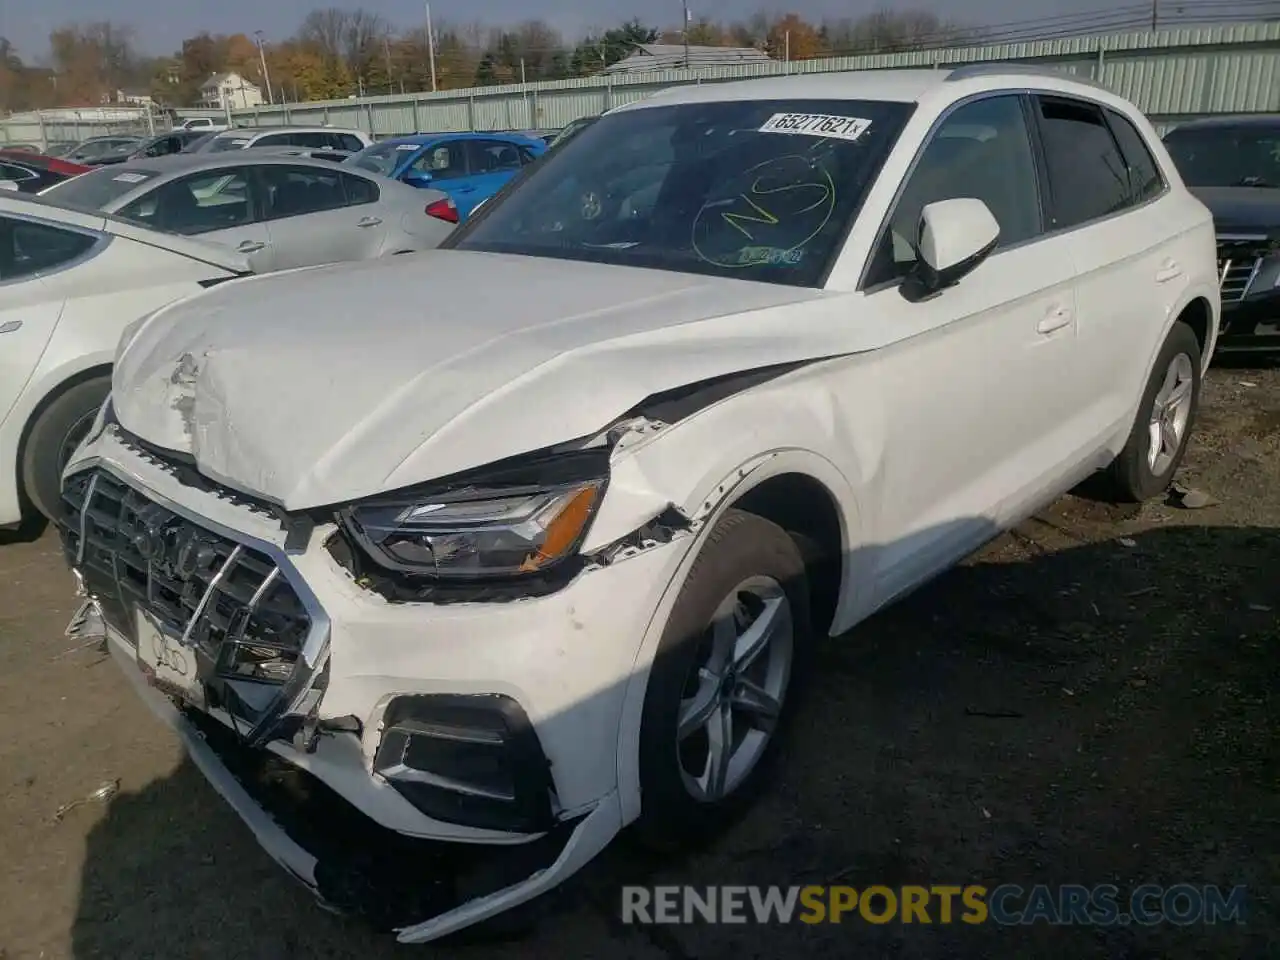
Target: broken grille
[229, 603]
[1239, 259]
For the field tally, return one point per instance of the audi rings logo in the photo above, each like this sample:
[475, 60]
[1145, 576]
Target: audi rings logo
[171, 546]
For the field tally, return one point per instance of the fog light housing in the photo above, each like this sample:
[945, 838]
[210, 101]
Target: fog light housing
[470, 760]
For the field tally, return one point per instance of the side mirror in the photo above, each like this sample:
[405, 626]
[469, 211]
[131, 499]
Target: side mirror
[11, 185]
[954, 237]
[418, 178]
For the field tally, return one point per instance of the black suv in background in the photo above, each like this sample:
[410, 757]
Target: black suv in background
[1233, 165]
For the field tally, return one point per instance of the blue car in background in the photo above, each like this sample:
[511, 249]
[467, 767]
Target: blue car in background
[469, 167]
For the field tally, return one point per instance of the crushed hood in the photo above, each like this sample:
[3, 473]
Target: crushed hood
[329, 384]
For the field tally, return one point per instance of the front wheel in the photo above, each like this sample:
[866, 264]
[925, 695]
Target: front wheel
[53, 438]
[1145, 467]
[723, 681]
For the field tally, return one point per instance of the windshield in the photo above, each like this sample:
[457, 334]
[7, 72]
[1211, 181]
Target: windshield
[759, 190]
[1244, 156]
[97, 189]
[382, 158]
[222, 143]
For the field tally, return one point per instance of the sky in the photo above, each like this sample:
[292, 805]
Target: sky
[160, 25]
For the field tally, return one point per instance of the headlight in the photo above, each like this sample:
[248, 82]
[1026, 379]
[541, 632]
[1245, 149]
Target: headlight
[477, 532]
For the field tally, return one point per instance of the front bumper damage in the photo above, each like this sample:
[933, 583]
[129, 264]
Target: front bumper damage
[425, 767]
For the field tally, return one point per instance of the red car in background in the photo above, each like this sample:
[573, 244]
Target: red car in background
[32, 172]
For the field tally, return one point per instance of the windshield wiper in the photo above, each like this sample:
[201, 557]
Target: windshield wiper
[1253, 182]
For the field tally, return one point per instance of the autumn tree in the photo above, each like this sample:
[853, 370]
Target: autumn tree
[298, 74]
[793, 38]
[92, 60]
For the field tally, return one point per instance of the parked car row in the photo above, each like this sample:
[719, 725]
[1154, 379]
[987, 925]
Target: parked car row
[529, 539]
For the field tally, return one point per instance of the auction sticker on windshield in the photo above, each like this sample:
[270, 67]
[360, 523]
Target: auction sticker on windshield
[165, 660]
[817, 125]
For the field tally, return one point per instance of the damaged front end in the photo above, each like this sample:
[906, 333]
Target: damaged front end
[434, 804]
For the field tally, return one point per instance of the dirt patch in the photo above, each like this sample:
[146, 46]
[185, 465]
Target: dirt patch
[1089, 700]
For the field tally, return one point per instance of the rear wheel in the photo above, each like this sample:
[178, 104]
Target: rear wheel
[1145, 467]
[53, 438]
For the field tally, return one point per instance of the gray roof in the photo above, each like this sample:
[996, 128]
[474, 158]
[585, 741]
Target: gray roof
[671, 56]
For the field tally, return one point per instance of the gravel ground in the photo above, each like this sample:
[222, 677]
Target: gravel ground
[1130, 657]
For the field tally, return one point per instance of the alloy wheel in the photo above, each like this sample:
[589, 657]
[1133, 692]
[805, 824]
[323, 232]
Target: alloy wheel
[733, 697]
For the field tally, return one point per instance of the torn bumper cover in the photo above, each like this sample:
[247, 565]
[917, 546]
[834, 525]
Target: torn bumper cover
[424, 766]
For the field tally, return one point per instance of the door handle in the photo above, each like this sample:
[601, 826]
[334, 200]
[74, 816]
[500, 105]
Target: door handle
[369, 221]
[1171, 270]
[465, 190]
[10, 325]
[1055, 319]
[250, 246]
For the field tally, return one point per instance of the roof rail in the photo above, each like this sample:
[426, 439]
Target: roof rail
[1005, 69]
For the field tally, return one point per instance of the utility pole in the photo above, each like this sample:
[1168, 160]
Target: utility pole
[386, 49]
[262, 58]
[1155, 13]
[686, 34]
[431, 49]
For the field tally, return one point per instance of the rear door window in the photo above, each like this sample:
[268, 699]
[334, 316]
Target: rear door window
[348, 141]
[359, 190]
[1088, 177]
[493, 156]
[295, 191]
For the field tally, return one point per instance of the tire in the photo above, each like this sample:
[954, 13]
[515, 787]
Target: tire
[743, 551]
[52, 438]
[1133, 476]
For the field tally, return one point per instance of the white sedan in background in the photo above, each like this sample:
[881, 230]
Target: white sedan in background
[70, 283]
[280, 211]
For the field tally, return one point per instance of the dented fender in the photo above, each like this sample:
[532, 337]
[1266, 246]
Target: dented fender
[703, 464]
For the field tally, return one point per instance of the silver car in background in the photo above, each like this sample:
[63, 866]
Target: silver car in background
[280, 211]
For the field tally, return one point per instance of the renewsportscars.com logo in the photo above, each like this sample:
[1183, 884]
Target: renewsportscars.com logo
[1182, 904]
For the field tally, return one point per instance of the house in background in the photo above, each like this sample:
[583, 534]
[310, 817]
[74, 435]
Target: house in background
[671, 56]
[133, 98]
[230, 91]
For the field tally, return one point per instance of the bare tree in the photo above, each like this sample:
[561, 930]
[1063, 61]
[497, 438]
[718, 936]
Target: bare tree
[325, 32]
[362, 38]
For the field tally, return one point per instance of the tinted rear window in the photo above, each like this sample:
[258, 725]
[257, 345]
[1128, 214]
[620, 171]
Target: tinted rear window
[99, 188]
